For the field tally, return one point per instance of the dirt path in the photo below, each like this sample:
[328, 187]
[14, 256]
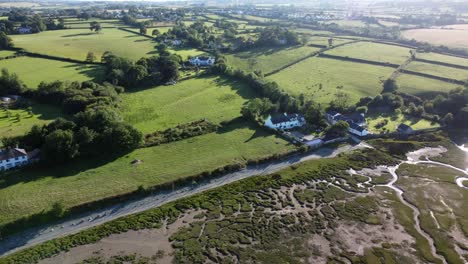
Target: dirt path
[77, 223]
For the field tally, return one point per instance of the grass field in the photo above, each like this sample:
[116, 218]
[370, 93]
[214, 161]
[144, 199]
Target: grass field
[158, 108]
[324, 40]
[312, 32]
[104, 24]
[33, 71]
[443, 58]
[90, 180]
[373, 52]
[437, 70]
[268, 60]
[6, 53]
[356, 79]
[41, 114]
[76, 43]
[450, 38]
[423, 87]
[394, 120]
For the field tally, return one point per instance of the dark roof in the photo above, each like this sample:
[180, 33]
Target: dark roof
[356, 127]
[332, 113]
[281, 118]
[12, 153]
[403, 127]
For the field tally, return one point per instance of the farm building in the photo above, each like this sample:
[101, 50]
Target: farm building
[12, 158]
[284, 121]
[202, 61]
[357, 130]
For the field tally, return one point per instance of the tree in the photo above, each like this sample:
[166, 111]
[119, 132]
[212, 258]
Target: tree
[339, 129]
[5, 41]
[256, 108]
[341, 103]
[95, 26]
[448, 119]
[330, 42]
[390, 86]
[90, 57]
[155, 32]
[59, 146]
[362, 109]
[143, 30]
[313, 114]
[252, 62]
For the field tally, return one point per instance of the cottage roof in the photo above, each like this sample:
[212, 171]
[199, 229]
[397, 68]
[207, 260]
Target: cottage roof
[12, 153]
[356, 127]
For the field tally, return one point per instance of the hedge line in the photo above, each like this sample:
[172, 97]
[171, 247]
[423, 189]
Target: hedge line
[377, 63]
[443, 64]
[444, 79]
[50, 57]
[137, 33]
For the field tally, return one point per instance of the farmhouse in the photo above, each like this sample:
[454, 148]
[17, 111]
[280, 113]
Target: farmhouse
[404, 129]
[356, 121]
[12, 158]
[284, 121]
[24, 30]
[202, 61]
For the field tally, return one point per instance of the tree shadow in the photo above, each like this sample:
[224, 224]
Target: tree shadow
[93, 72]
[79, 34]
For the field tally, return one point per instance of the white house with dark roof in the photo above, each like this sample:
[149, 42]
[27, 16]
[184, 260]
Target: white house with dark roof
[356, 121]
[284, 121]
[12, 158]
[202, 61]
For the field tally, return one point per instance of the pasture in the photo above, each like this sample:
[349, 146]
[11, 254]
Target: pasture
[423, 87]
[268, 60]
[6, 53]
[32, 191]
[320, 79]
[32, 71]
[438, 70]
[442, 58]
[393, 120]
[435, 36]
[373, 52]
[76, 43]
[11, 125]
[158, 108]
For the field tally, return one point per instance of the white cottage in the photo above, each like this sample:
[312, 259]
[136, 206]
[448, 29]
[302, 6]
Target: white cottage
[12, 158]
[285, 121]
[202, 61]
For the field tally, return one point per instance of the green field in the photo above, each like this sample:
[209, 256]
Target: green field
[356, 79]
[104, 24]
[6, 53]
[324, 40]
[443, 58]
[76, 43]
[373, 52]
[312, 31]
[268, 60]
[32, 71]
[395, 120]
[85, 181]
[438, 70]
[423, 87]
[161, 107]
[11, 126]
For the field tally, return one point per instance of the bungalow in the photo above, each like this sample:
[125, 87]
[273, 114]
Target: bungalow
[12, 158]
[404, 129]
[285, 121]
[24, 30]
[202, 61]
[357, 130]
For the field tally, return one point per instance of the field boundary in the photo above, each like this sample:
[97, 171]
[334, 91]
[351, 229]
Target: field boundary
[137, 33]
[22, 52]
[403, 66]
[443, 64]
[377, 63]
[430, 76]
[307, 57]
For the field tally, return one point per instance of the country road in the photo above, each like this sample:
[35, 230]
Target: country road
[80, 222]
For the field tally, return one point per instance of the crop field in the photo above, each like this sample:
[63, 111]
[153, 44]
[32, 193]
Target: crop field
[13, 126]
[76, 43]
[268, 60]
[158, 108]
[438, 70]
[423, 87]
[373, 52]
[450, 38]
[394, 120]
[320, 79]
[89, 180]
[32, 71]
[443, 58]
